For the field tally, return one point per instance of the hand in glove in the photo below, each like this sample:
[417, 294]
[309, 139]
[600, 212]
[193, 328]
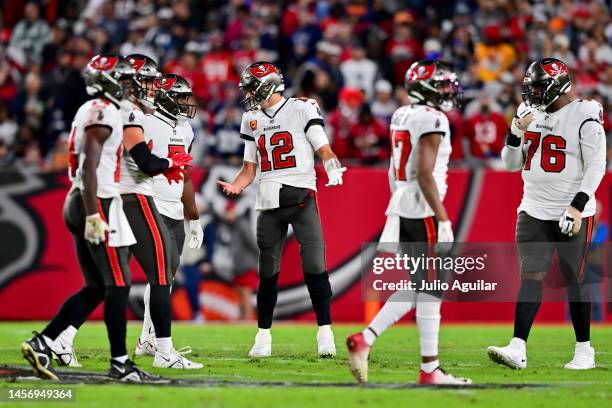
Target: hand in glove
[334, 171]
[196, 234]
[570, 221]
[95, 229]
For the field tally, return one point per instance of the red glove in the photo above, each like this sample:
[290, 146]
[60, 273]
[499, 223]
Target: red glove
[176, 174]
[180, 160]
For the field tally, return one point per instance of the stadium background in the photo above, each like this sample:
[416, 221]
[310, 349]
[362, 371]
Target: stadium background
[349, 55]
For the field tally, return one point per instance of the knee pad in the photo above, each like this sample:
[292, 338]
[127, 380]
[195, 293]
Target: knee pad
[313, 259]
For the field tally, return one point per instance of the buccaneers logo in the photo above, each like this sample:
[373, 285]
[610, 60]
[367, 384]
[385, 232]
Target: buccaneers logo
[422, 72]
[164, 83]
[261, 70]
[102, 63]
[136, 63]
[555, 68]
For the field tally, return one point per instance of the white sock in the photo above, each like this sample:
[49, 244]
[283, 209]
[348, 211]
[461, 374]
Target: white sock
[325, 330]
[164, 345]
[264, 332]
[121, 359]
[67, 336]
[584, 346]
[147, 324]
[428, 323]
[431, 366]
[395, 308]
[518, 343]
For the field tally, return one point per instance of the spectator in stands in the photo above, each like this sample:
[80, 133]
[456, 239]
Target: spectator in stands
[8, 128]
[486, 130]
[383, 105]
[31, 33]
[403, 49]
[342, 119]
[359, 72]
[29, 105]
[368, 141]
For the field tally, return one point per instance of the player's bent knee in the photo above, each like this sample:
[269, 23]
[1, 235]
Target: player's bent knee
[533, 276]
[313, 259]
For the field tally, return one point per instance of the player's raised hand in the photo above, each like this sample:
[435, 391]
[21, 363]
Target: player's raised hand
[176, 174]
[180, 160]
[95, 229]
[229, 188]
[570, 221]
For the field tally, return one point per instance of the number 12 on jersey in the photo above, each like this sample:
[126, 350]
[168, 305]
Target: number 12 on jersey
[401, 145]
[282, 144]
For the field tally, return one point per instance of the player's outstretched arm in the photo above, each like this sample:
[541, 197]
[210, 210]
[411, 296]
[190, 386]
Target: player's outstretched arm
[332, 165]
[134, 143]
[243, 179]
[95, 227]
[426, 153]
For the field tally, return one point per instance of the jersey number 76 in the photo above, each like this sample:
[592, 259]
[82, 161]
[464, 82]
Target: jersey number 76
[552, 157]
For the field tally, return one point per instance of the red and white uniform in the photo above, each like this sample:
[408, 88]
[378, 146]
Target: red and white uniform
[134, 180]
[169, 138]
[97, 112]
[278, 140]
[564, 153]
[408, 124]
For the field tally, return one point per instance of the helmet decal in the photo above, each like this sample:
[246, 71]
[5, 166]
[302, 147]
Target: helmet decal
[136, 63]
[555, 68]
[261, 70]
[165, 83]
[104, 63]
[422, 72]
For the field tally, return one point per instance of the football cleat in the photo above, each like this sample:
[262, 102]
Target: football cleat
[176, 359]
[64, 354]
[325, 345]
[358, 356]
[146, 348]
[128, 372]
[39, 356]
[583, 360]
[262, 346]
[509, 356]
[441, 377]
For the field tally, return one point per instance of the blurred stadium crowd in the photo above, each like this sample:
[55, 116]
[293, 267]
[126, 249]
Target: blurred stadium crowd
[350, 55]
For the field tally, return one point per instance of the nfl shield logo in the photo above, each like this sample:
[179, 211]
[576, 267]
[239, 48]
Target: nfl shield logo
[253, 125]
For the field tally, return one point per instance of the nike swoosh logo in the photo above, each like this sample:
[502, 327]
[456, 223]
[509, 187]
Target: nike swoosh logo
[121, 370]
[164, 358]
[61, 344]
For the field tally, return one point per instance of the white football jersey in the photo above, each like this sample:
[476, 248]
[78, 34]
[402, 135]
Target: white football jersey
[168, 138]
[556, 148]
[97, 112]
[408, 124]
[278, 142]
[134, 180]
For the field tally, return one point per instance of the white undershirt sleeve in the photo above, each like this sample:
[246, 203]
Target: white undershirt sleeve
[593, 147]
[250, 151]
[317, 137]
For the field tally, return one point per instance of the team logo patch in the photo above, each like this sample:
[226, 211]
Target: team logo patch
[421, 72]
[164, 83]
[100, 116]
[102, 63]
[437, 125]
[136, 63]
[253, 125]
[555, 68]
[132, 117]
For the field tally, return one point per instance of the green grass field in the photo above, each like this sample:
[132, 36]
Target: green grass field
[223, 350]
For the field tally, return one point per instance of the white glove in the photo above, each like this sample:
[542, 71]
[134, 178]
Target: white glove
[95, 229]
[445, 236]
[521, 120]
[334, 171]
[196, 234]
[570, 221]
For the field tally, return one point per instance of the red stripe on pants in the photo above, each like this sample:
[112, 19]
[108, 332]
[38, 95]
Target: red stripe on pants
[111, 252]
[586, 249]
[432, 239]
[159, 246]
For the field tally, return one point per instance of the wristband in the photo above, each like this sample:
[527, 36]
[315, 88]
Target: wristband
[580, 201]
[512, 139]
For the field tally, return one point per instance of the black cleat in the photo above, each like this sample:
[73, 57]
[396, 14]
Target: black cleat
[39, 355]
[129, 372]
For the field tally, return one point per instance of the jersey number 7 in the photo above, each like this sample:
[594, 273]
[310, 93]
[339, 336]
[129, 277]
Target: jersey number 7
[552, 158]
[400, 144]
[283, 144]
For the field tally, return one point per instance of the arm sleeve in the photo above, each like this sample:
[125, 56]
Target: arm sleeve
[250, 151]
[147, 162]
[513, 157]
[593, 146]
[317, 137]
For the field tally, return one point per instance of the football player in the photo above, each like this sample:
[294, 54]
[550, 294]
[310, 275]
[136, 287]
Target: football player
[153, 249]
[171, 135]
[559, 144]
[93, 204]
[281, 138]
[421, 146]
